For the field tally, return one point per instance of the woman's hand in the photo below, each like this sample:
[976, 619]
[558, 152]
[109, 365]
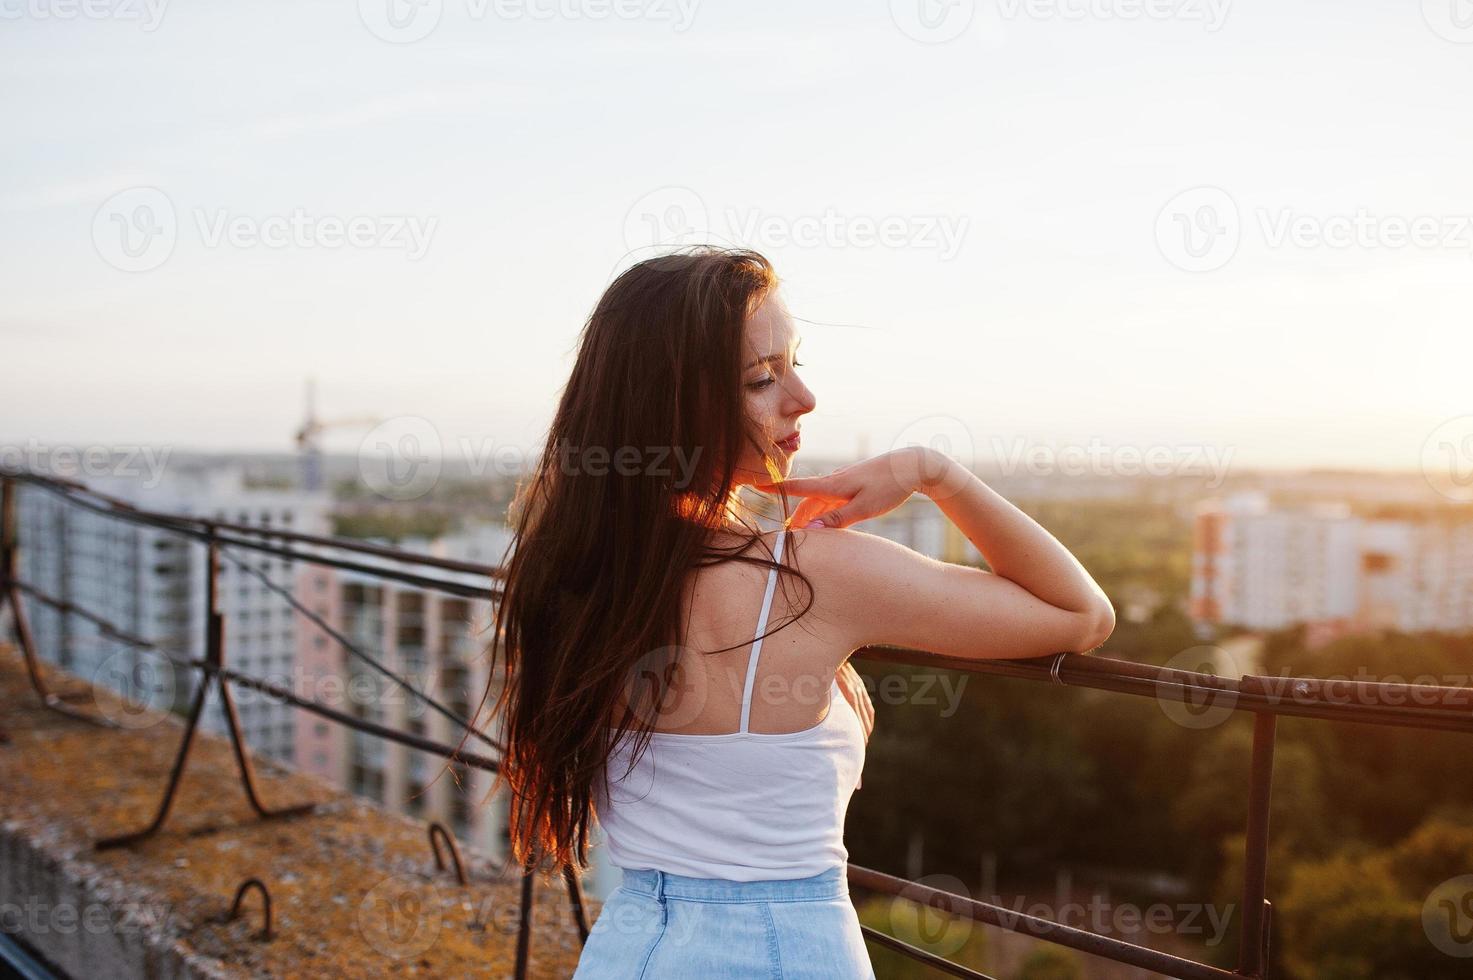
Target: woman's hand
[858, 697]
[863, 490]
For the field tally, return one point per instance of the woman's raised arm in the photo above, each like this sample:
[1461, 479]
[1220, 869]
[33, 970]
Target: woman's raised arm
[1038, 599]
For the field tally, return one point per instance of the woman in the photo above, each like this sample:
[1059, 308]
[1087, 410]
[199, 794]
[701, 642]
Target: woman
[652, 678]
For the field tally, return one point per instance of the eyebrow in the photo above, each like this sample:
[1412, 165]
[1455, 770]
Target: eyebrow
[773, 357]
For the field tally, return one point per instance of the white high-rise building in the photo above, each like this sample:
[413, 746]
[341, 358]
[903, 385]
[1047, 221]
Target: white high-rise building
[440, 643]
[1263, 567]
[921, 526]
[150, 583]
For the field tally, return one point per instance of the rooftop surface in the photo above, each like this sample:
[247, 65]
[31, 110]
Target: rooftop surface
[354, 889]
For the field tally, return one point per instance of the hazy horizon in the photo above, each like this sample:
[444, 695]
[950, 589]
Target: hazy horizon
[1154, 231]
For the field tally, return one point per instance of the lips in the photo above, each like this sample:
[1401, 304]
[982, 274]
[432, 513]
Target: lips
[790, 444]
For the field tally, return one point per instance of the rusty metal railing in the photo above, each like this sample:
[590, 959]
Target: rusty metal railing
[1266, 698]
[218, 537]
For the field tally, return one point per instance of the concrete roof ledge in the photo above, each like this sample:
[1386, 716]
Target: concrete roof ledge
[354, 888]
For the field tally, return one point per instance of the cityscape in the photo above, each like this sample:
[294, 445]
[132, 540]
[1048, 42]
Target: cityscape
[332, 332]
[1329, 557]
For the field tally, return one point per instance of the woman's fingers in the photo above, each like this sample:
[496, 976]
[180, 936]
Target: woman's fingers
[861, 507]
[816, 504]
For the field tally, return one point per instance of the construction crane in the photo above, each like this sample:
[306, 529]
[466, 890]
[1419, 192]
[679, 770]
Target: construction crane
[307, 437]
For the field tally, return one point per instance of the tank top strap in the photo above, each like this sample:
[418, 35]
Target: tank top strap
[777, 555]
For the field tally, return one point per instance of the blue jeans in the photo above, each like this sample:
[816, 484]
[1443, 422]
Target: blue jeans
[663, 926]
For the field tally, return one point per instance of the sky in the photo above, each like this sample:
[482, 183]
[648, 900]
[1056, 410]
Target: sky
[1245, 226]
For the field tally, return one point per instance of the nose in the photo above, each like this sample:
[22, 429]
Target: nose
[800, 399]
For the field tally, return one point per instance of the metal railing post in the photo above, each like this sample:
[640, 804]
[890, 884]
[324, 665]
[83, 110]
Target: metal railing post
[10, 592]
[209, 674]
[9, 568]
[1253, 944]
[524, 923]
[215, 656]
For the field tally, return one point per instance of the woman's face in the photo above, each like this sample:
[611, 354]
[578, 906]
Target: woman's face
[776, 398]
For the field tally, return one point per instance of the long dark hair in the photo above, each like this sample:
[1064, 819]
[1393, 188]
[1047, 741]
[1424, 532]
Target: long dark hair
[637, 472]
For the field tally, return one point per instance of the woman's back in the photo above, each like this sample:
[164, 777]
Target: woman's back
[750, 768]
[720, 609]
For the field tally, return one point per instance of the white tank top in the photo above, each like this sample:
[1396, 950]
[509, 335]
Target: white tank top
[744, 806]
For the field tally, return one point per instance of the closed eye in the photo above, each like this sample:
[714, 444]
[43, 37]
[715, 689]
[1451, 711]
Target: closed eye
[769, 380]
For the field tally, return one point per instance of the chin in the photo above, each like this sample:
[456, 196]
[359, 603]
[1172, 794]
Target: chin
[778, 468]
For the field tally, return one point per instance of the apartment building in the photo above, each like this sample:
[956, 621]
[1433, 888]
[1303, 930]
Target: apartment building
[151, 583]
[438, 644]
[921, 526]
[1261, 566]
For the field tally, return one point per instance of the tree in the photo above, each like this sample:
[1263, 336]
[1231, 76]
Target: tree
[1371, 915]
[1050, 963]
[955, 938]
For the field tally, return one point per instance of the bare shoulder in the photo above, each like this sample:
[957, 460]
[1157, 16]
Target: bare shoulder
[852, 570]
[852, 554]
[874, 591]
